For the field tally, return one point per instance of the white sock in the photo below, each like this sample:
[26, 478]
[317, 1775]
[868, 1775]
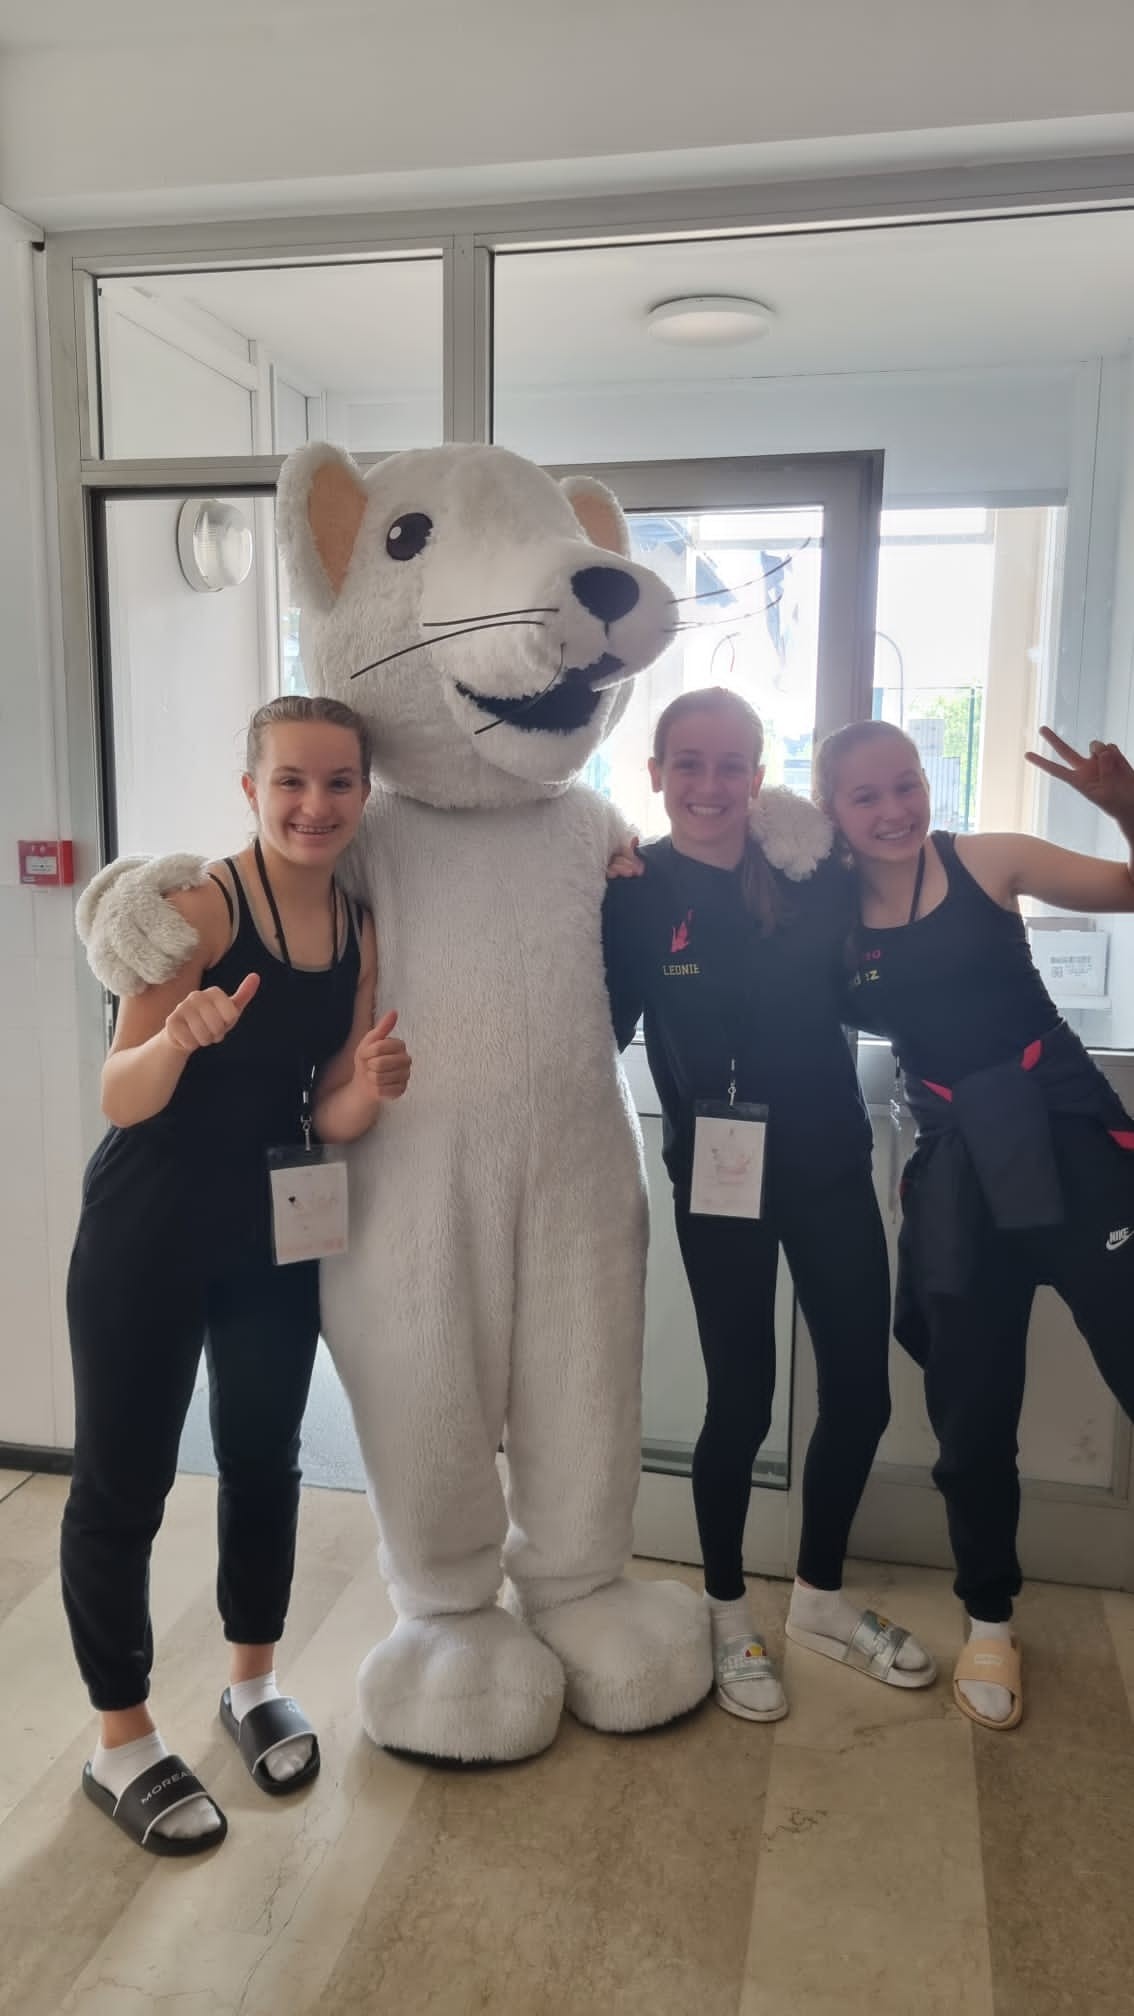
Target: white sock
[291, 1757]
[730, 1622]
[729, 1619]
[993, 1702]
[116, 1769]
[829, 1614]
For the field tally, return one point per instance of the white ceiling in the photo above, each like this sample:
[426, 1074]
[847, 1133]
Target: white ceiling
[1031, 290]
[1020, 291]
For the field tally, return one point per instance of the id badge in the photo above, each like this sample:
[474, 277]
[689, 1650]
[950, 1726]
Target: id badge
[728, 1159]
[309, 1203]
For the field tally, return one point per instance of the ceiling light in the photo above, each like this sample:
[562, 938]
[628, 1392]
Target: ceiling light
[710, 319]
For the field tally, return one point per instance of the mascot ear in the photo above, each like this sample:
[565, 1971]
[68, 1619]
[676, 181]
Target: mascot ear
[320, 505]
[598, 512]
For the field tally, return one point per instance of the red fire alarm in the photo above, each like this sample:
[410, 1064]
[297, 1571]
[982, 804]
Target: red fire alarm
[47, 864]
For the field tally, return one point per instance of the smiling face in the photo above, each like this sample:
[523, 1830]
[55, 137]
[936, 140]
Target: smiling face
[879, 797]
[308, 791]
[456, 601]
[708, 775]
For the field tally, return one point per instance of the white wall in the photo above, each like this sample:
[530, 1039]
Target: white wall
[158, 400]
[303, 104]
[947, 434]
[39, 1067]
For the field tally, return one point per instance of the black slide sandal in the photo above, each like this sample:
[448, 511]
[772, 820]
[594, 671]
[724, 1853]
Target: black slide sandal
[262, 1730]
[158, 1790]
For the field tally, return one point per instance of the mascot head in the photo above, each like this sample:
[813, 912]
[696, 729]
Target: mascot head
[485, 619]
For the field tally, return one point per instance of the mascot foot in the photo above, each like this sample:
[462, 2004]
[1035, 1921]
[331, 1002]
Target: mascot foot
[636, 1654]
[475, 1688]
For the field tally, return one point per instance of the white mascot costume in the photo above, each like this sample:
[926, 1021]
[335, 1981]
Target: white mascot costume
[486, 621]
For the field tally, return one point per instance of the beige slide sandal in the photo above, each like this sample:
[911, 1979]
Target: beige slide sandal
[994, 1662]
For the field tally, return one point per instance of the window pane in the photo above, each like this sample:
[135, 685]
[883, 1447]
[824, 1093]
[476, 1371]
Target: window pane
[257, 362]
[748, 586]
[968, 605]
[186, 669]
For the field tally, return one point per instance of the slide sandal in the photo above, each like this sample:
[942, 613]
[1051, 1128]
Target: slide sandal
[159, 1790]
[872, 1648]
[265, 1729]
[995, 1662]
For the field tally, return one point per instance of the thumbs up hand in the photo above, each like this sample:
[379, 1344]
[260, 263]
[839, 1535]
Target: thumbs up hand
[382, 1064]
[208, 1015]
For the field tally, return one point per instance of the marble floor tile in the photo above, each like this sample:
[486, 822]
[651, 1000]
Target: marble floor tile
[890, 1825]
[29, 1537]
[1057, 1830]
[1057, 1819]
[855, 1962]
[1119, 1613]
[605, 1876]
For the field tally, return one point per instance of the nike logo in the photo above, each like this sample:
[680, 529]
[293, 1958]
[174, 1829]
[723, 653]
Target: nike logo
[1117, 1239]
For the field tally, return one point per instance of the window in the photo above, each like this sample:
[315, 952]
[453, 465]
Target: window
[258, 361]
[967, 610]
[748, 583]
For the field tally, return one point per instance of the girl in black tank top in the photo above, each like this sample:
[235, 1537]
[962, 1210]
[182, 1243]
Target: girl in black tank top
[955, 990]
[263, 1038]
[1023, 1171]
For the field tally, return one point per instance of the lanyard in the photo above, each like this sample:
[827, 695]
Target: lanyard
[919, 878]
[307, 1075]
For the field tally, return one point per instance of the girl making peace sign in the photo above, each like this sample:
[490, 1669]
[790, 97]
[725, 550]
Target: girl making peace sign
[1023, 1171]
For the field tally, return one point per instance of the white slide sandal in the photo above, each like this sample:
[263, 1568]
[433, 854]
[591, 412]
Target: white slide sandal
[873, 1649]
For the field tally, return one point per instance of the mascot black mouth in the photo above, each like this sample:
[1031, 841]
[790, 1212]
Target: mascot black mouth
[567, 705]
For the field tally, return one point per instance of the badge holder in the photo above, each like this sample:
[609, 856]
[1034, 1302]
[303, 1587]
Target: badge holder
[309, 1198]
[729, 1142]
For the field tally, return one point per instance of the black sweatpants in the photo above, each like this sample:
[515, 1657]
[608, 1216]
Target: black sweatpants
[137, 1330]
[835, 1246]
[977, 1355]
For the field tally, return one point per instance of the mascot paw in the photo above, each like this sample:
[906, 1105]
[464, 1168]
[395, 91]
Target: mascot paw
[636, 1654]
[794, 833]
[476, 1688]
[134, 939]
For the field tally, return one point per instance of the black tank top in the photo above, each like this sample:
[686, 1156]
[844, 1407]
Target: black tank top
[955, 991]
[199, 1165]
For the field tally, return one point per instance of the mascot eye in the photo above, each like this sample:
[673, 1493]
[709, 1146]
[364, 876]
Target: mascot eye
[408, 535]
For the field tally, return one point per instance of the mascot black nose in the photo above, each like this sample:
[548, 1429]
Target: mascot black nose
[606, 592]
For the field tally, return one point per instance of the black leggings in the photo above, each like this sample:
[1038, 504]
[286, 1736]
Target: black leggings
[137, 1329]
[977, 1355]
[836, 1249]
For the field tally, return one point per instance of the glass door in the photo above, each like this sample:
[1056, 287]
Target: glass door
[774, 564]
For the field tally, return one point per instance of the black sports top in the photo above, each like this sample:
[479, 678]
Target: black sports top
[203, 1156]
[682, 949]
[955, 991]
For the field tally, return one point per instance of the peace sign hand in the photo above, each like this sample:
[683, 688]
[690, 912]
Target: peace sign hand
[1104, 777]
